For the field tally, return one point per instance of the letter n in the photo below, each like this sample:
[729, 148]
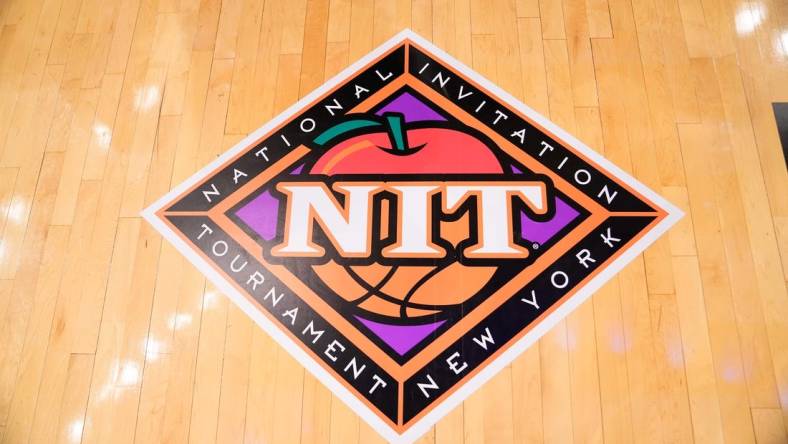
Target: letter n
[348, 228]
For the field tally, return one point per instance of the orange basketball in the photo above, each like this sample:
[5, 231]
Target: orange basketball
[407, 291]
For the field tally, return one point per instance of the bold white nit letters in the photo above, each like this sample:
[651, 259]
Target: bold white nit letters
[349, 227]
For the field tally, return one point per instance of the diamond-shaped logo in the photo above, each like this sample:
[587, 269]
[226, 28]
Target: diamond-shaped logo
[406, 230]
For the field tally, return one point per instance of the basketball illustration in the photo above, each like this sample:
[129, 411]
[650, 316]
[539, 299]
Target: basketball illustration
[391, 146]
[403, 219]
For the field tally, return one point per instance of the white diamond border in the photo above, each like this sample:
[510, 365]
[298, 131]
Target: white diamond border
[491, 369]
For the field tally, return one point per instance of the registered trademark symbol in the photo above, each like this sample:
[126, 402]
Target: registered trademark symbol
[535, 245]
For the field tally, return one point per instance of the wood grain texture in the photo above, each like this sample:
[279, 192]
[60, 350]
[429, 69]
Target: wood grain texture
[108, 335]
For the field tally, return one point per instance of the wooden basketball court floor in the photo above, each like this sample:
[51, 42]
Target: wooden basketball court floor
[107, 335]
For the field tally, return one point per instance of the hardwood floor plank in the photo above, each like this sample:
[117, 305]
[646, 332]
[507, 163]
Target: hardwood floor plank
[266, 66]
[32, 85]
[741, 270]
[123, 336]
[696, 32]
[527, 412]
[726, 348]
[17, 41]
[125, 25]
[7, 183]
[599, 19]
[769, 426]
[670, 368]
[316, 402]
[345, 425]
[260, 407]
[31, 363]
[227, 31]
[498, 408]
[764, 232]
[704, 401]
[527, 8]
[338, 23]
[153, 394]
[294, 17]
[21, 303]
[235, 380]
[639, 345]
[616, 412]
[75, 154]
[660, 100]
[559, 84]
[313, 59]
[552, 16]
[54, 380]
[208, 373]
[362, 14]
[581, 330]
[532, 63]
[100, 132]
[28, 176]
[241, 96]
[185, 323]
[581, 62]
[71, 422]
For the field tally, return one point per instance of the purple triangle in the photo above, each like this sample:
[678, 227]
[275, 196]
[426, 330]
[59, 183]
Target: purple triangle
[401, 338]
[413, 109]
[542, 232]
[261, 215]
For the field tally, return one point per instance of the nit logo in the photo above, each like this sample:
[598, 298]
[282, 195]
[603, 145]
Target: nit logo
[408, 229]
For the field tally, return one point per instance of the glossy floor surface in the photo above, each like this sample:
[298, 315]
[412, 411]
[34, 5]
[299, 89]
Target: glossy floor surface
[108, 335]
